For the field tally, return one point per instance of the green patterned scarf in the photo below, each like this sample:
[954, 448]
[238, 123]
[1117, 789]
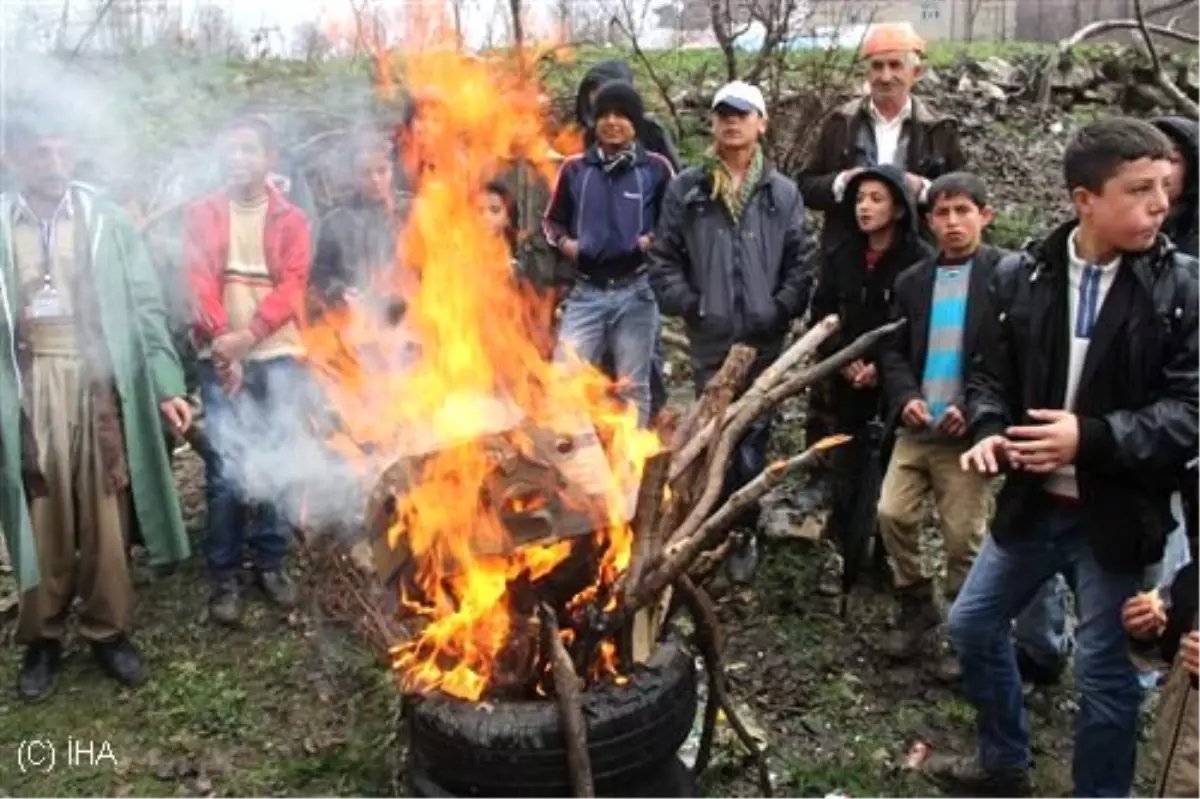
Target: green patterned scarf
[723, 187]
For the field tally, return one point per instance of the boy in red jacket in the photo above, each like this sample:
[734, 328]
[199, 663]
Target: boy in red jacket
[246, 255]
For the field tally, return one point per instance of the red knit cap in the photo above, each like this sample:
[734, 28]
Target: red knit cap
[892, 37]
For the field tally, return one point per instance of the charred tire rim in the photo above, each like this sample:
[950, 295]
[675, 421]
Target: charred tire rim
[517, 748]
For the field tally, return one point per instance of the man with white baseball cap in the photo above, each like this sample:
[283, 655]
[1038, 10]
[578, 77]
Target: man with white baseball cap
[741, 97]
[732, 258]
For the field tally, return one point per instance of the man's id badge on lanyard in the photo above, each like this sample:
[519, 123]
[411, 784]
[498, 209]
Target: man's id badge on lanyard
[46, 303]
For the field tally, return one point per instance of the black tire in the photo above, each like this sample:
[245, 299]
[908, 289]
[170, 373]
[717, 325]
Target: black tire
[517, 748]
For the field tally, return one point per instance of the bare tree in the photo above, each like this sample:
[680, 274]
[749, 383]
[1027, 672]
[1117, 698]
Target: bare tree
[516, 12]
[215, 34]
[972, 12]
[310, 42]
[456, 12]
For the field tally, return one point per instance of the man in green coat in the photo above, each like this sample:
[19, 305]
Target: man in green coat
[84, 345]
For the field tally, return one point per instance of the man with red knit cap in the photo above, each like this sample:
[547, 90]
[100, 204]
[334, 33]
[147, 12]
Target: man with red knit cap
[888, 127]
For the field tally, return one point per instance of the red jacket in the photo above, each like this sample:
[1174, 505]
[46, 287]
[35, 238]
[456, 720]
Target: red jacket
[206, 253]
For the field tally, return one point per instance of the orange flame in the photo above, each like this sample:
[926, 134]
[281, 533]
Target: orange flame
[464, 364]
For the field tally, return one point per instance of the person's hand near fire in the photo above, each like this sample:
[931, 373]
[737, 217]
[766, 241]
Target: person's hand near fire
[228, 351]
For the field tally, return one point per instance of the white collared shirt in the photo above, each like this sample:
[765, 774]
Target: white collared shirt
[887, 131]
[1088, 286]
[887, 143]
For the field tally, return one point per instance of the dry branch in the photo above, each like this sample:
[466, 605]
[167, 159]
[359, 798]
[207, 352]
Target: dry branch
[680, 554]
[1177, 94]
[1105, 25]
[706, 565]
[712, 404]
[805, 345]
[1140, 25]
[570, 705]
[708, 637]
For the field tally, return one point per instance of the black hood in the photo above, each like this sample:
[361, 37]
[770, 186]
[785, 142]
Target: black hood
[597, 75]
[1186, 135]
[910, 222]
[1181, 224]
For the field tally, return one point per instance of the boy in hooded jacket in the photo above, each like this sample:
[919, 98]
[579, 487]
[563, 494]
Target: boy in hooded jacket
[1184, 192]
[855, 282]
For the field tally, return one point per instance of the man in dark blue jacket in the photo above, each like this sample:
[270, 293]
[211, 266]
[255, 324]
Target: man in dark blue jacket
[601, 216]
[732, 258]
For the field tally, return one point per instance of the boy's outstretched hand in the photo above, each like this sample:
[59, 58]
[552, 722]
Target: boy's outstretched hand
[1044, 448]
[1144, 616]
[985, 456]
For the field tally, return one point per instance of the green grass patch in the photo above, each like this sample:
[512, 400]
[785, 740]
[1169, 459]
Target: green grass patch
[276, 708]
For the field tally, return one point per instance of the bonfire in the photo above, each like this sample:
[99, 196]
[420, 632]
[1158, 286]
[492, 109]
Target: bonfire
[525, 534]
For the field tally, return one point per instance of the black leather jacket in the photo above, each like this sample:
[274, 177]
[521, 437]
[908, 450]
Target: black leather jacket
[1137, 401]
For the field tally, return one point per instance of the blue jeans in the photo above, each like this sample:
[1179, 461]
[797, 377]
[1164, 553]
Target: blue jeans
[1041, 629]
[1003, 581]
[622, 319]
[245, 432]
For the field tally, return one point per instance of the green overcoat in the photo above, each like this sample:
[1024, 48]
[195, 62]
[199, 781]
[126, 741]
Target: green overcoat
[146, 368]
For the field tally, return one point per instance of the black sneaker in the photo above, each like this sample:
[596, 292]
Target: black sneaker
[121, 661]
[39, 669]
[223, 604]
[964, 776]
[278, 587]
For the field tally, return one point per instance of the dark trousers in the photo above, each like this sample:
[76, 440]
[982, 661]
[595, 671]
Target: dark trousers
[237, 426]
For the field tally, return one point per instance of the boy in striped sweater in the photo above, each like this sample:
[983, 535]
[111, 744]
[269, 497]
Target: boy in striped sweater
[923, 372]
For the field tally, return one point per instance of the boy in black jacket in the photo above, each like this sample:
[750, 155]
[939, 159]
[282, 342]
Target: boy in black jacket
[1084, 389]
[855, 282]
[923, 371]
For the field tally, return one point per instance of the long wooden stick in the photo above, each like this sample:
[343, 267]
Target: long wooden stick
[570, 706]
[708, 638]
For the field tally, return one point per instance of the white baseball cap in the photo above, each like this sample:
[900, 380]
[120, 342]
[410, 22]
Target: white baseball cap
[741, 96]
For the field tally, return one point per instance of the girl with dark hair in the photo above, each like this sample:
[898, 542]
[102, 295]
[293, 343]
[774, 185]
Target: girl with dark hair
[499, 207]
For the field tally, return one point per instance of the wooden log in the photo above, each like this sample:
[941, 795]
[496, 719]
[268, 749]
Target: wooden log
[570, 706]
[647, 544]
